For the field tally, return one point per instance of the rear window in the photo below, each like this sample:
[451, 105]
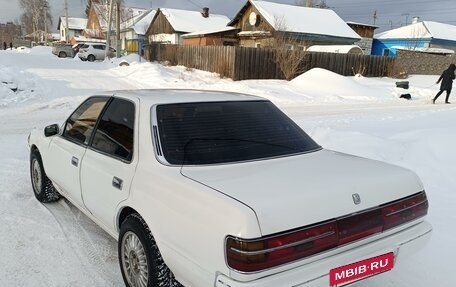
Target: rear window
[222, 132]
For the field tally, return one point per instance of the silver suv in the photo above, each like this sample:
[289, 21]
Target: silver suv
[94, 51]
[63, 50]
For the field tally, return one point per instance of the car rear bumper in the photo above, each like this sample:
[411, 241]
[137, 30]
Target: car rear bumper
[402, 244]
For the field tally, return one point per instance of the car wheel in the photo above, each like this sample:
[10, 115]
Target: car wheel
[91, 58]
[140, 260]
[42, 186]
[62, 55]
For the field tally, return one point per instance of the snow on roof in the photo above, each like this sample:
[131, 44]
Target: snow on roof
[257, 33]
[74, 23]
[342, 49]
[304, 19]
[421, 30]
[143, 23]
[81, 39]
[362, 24]
[128, 15]
[208, 32]
[425, 50]
[192, 21]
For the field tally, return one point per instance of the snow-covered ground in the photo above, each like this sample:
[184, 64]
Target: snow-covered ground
[56, 245]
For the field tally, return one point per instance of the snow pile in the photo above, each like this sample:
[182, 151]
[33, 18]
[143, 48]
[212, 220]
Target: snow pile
[16, 86]
[41, 50]
[332, 87]
[357, 115]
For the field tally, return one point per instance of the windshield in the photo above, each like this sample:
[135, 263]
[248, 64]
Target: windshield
[222, 132]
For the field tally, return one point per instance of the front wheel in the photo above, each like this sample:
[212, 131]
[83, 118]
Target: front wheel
[91, 58]
[140, 260]
[42, 186]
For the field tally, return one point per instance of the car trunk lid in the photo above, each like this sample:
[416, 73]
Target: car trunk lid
[295, 191]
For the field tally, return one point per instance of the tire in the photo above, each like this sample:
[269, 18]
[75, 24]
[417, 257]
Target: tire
[42, 186]
[62, 54]
[91, 58]
[139, 257]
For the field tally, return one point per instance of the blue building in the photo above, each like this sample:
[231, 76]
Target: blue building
[420, 36]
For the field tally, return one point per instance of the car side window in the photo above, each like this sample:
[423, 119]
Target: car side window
[79, 126]
[115, 131]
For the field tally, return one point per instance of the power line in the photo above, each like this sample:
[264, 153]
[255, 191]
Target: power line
[194, 4]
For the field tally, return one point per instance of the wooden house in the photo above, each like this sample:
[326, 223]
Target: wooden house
[226, 36]
[262, 23]
[169, 25]
[76, 27]
[366, 32]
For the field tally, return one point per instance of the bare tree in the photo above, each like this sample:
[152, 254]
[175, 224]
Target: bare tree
[36, 17]
[416, 35]
[305, 3]
[311, 3]
[290, 50]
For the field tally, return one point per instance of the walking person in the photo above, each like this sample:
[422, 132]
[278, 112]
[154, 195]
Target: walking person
[4, 45]
[446, 78]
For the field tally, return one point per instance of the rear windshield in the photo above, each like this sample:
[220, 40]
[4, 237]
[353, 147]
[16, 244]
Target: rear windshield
[223, 132]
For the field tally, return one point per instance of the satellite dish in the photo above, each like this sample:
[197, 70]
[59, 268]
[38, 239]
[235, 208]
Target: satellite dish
[253, 19]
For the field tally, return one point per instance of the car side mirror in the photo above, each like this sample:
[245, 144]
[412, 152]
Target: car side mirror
[51, 130]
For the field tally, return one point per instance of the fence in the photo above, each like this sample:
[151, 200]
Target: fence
[242, 63]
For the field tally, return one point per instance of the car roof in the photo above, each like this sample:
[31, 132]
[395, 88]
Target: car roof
[168, 96]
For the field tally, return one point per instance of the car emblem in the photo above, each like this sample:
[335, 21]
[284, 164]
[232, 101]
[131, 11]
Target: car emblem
[356, 198]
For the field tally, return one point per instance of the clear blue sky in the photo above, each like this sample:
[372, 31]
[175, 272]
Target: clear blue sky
[389, 12]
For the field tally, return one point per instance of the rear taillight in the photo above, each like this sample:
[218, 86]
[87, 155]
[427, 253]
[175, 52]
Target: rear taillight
[404, 210]
[254, 255]
[250, 255]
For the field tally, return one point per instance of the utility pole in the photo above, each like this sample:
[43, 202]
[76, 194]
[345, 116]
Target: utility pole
[45, 22]
[375, 16]
[108, 33]
[66, 22]
[406, 17]
[118, 30]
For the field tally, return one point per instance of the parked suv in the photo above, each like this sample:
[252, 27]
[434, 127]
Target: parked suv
[63, 50]
[94, 51]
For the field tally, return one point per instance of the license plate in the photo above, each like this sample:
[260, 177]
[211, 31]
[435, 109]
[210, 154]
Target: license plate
[361, 269]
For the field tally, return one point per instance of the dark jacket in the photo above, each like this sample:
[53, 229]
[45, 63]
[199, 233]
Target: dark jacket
[447, 78]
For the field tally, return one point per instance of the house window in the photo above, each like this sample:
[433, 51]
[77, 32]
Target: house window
[289, 47]
[386, 52]
[257, 45]
[302, 48]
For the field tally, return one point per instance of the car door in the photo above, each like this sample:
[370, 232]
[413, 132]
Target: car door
[66, 151]
[110, 161]
[99, 51]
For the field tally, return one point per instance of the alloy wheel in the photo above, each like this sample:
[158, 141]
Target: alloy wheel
[134, 260]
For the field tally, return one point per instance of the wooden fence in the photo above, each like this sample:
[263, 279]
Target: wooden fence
[242, 63]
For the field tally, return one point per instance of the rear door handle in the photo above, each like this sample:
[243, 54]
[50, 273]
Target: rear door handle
[74, 161]
[117, 182]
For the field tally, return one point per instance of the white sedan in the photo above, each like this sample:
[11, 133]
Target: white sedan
[205, 188]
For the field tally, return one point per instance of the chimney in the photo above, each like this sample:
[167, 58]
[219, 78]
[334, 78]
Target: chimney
[416, 20]
[205, 12]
